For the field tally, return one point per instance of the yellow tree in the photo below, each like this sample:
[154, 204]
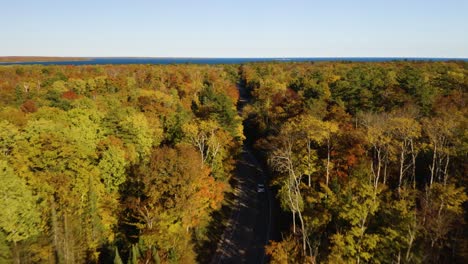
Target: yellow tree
[213, 144]
[441, 131]
[405, 130]
[285, 161]
[311, 130]
[377, 134]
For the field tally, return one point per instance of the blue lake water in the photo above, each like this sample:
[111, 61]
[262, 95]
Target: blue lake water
[122, 60]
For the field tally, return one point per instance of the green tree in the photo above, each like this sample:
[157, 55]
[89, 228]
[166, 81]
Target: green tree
[356, 206]
[20, 215]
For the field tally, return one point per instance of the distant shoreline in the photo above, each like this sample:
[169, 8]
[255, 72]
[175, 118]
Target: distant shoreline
[30, 60]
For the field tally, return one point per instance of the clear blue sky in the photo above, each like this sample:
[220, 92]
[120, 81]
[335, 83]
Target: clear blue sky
[235, 28]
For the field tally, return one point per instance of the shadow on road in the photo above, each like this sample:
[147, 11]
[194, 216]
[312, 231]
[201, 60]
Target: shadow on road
[243, 225]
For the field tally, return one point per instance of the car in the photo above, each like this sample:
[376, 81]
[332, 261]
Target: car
[260, 188]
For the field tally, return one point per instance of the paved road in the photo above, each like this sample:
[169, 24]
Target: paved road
[250, 223]
[248, 229]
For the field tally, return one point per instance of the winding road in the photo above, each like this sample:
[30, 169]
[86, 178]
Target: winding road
[250, 223]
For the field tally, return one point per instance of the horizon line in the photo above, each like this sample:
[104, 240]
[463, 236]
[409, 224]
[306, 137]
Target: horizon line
[246, 57]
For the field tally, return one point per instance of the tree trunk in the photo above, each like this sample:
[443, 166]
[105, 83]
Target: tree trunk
[410, 244]
[55, 232]
[402, 164]
[413, 159]
[294, 221]
[16, 254]
[446, 169]
[432, 168]
[375, 181]
[304, 234]
[69, 241]
[384, 181]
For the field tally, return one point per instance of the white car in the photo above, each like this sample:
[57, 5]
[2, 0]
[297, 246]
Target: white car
[260, 188]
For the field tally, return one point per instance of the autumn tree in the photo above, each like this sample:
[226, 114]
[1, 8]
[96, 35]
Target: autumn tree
[177, 197]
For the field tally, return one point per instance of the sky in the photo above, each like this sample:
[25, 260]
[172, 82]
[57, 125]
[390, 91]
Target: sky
[234, 28]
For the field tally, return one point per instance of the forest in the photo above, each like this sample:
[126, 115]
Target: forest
[130, 163]
[113, 163]
[369, 159]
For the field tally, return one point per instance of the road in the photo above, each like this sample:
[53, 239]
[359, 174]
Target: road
[250, 223]
[248, 229]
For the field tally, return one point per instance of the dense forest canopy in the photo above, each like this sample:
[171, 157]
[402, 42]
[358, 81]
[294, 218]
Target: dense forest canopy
[127, 163]
[369, 159]
[102, 159]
